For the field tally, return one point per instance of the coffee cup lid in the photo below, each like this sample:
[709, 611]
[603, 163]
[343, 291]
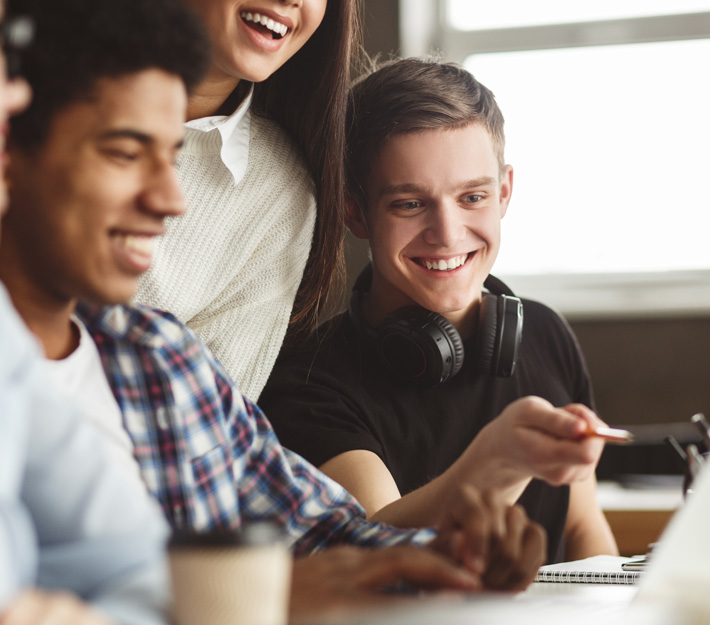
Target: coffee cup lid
[252, 535]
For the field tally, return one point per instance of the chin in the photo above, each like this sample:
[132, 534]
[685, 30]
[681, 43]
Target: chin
[444, 305]
[111, 297]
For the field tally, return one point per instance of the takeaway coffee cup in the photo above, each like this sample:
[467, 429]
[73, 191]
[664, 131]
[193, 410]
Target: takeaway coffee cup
[230, 578]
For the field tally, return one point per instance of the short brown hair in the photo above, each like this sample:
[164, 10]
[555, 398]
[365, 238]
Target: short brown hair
[412, 95]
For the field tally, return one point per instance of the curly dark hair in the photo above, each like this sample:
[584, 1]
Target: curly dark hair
[78, 42]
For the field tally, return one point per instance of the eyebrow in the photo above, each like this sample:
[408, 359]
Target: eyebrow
[410, 187]
[136, 135]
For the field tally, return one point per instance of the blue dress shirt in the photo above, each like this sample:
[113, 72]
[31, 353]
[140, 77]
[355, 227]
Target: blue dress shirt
[68, 519]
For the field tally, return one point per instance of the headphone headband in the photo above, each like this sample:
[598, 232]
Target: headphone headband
[497, 286]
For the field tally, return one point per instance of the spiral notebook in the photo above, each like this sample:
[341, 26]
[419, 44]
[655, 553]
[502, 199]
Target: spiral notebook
[596, 570]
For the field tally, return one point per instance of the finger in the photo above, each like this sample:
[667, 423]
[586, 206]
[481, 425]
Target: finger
[423, 568]
[506, 550]
[25, 608]
[469, 522]
[520, 556]
[586, 414]
[41, 608]
[562, 460]
[539, 414]
[533, 556]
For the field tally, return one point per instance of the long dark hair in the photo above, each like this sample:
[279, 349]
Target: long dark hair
[308, 97]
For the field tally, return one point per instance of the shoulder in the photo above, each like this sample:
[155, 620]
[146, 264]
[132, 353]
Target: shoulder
[16, 340]
[549, 345]
[327, 366]
[278, 177]
[136, 324]
[269, 141]
[330, 352]
[159, 335]
[154, 341]
[540, 319]
[318, 397]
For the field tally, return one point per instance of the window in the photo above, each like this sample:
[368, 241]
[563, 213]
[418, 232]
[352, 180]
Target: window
[472, 15]
[608, 131]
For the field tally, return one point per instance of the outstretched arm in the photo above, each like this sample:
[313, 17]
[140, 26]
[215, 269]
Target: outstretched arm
[587, 532]
[530, 438]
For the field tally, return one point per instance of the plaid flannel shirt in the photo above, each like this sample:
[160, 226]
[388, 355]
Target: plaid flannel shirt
[207, 453]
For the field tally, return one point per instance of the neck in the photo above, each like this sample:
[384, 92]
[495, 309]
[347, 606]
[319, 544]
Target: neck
[465, 322]
[376, 306]
[216, 95]
[47, 317]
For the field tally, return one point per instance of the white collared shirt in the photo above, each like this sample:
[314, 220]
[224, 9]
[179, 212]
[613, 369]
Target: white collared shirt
[234, 130]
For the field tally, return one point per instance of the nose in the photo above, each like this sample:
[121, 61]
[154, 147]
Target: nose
[163, 196]
[16, 95]
[445, 227]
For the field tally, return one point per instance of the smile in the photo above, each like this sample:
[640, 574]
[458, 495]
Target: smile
[134, 251]
[443, 264]
[139, 244]
[261, 23]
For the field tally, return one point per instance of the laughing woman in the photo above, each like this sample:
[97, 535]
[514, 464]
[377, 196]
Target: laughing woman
[262, 172]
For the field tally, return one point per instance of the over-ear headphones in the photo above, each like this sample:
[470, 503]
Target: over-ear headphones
[424, 347]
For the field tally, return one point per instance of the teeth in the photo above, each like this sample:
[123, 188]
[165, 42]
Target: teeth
[141, 244]
[272, 25]
[443, 265]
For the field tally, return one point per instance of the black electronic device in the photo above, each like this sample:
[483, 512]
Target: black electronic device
[424, 347]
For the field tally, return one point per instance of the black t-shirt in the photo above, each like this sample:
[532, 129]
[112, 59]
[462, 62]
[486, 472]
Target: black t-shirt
[336, 396]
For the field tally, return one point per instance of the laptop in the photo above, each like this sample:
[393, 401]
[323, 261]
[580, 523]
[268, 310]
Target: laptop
[679, 572]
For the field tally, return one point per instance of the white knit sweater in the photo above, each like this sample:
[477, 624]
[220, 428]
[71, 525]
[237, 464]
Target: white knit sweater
[231, 266]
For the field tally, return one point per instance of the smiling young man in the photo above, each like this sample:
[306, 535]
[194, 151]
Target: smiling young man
[92, 184]
[426, 382]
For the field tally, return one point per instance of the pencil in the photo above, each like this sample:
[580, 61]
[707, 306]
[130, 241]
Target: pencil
[612, 435]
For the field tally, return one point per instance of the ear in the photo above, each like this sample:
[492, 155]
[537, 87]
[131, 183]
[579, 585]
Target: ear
[355, 220]
[506, 189]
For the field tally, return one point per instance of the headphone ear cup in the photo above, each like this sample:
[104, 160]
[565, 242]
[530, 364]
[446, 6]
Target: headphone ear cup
[486, 335]
[420, 346]
[500, 331]
[455, 343]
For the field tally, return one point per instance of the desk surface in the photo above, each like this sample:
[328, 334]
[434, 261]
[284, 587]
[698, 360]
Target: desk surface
[540, 604]
[666, 496]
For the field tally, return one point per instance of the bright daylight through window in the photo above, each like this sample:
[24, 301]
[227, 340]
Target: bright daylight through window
[611, 151]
